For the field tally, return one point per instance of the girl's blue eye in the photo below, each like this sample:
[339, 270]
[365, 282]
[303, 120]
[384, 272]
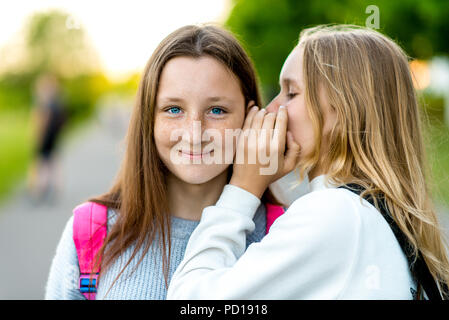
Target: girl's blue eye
[174, 110]
[217, 111]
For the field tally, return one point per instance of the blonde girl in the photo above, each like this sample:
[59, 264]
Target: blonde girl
[353, 118]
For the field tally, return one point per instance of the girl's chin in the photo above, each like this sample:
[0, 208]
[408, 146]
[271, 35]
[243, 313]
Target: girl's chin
[198, 174]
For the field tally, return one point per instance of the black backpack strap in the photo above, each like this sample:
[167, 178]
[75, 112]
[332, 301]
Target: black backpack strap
[418, 266]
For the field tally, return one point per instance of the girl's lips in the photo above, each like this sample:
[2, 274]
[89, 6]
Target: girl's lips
[191, 155]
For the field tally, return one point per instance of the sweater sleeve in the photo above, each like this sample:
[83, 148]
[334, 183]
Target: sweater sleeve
[62, 283]
[308, 253]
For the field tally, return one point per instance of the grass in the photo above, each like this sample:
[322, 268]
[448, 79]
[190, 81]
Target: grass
[15, 149]
[17, 146]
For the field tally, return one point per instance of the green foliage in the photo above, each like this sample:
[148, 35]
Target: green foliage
[127, 87]
[433, 106]
[82, 92]
[53, 45]
[436, 136]
[269, 29]
[436, 142]
[15, 92]
[16, 147]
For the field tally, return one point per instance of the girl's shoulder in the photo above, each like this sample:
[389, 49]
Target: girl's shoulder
[330, 200]
[85, 207]
[330, 211]
[112, 216]
[334, 210]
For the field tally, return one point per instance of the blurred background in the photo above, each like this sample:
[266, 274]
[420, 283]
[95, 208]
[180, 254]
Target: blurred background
[69, 72]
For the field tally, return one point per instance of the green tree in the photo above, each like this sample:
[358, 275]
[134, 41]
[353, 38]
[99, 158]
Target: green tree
[55, 43]
[269, 29]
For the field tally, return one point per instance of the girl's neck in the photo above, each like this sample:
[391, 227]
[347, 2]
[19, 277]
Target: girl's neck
[187, 201]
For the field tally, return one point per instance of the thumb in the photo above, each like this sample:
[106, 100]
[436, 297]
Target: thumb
[292, 155]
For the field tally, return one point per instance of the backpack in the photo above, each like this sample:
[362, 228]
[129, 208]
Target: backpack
[418, 267]
[90, 230]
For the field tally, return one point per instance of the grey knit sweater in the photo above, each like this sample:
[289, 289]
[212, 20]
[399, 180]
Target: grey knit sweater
[146, 282]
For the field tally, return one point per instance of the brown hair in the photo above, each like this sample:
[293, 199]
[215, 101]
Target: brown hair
[139, 193]
[377, 140]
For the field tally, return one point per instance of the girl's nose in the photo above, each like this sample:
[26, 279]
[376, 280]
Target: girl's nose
[194, 131]
[193, 128]
[273, 106]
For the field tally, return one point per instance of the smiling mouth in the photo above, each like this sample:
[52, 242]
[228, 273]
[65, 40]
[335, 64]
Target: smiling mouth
[192, 155]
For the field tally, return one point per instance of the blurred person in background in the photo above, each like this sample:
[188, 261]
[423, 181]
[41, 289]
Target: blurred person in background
[48, 118]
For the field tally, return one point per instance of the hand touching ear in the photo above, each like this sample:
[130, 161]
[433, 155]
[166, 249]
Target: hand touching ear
[265, 151]
[249, 106]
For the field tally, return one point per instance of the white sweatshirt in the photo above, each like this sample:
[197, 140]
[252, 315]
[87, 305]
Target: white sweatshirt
[328, 245]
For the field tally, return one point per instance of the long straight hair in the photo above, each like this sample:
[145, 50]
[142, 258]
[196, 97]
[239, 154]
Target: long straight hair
[139, 193]
[377, 140]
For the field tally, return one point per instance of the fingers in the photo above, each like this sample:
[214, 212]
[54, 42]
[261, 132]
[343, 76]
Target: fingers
[258, 138]
[268, 121]
[250, 105]
[267, 129]
[258, 119]
[249, 118]
[292, 154]
[246, 136]
[281, 126]
[254, 140]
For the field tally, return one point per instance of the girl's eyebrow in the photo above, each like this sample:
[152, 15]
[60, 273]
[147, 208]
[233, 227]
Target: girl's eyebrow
[171, 99]
[289, 82]
[209, 99]
[285, 81]
[218, 98]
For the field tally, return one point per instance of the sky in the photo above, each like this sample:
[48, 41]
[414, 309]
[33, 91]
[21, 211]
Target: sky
[124, 33]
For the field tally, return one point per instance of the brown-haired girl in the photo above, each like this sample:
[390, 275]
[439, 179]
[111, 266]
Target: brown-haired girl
[198, 78]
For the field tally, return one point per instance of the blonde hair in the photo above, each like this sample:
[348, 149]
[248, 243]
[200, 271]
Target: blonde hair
[376, 141]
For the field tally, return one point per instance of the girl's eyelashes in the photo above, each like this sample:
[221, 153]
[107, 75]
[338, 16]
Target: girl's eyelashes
[291, 95]
[217, 111]
[289, 92]
[175, 110]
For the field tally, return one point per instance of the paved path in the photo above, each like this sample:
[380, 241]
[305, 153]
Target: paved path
[29, 233]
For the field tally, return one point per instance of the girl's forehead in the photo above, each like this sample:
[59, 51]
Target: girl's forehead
[292, 68]
[190, 77]
[182, 69]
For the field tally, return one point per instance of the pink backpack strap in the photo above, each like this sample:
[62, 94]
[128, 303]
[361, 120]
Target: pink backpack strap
[89, 231]
[273, 212]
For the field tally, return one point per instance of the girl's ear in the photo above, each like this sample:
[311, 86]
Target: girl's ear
[251, 104]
